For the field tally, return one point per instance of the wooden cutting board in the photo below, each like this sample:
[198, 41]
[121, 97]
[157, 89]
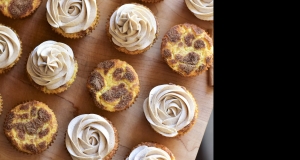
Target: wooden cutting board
[132, 125]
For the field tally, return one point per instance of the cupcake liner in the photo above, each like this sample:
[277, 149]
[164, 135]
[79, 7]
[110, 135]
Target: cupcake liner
[57, 90]
[35, 5]
[123, 49]
[153, 144]
[80, 34]
[8, 68]
[117, 140]
[1, 103]
[14, 144]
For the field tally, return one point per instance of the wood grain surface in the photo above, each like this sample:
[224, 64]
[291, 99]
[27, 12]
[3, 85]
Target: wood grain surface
[132, 125]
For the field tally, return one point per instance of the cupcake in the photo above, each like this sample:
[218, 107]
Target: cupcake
[17, 9]
[202, 9]
[90, 136]
[150, 150]
[151, 1]
[51, 67]
[171, 110]
[31, 127]
[114, 85]
[187, 49]
[72, 19]
[1, 102]
[10, 48]
[132, 28]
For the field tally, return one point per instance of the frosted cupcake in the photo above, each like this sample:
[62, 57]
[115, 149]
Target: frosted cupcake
[10, 48]
[72, 18]
[202, 9]
[150, 150]
[132, 28]
[171, 110]
[90, 136]
[52, 67]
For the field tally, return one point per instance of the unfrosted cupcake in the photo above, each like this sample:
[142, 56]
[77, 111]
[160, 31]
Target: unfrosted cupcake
[132, 28]
[90, 136]
[202, 9]
[170, 109]
[51, 67]
[114, 85]
[10, 48]
[1, 103]
[31, 127]
[187, 49]
[150, 150]
[151, 1]
[72, 18]
[17, 9]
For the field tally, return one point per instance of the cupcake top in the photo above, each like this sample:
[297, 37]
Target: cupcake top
[71, 15]
[114, 85]
[31, 127]
[150, 150]
[202, 9]
[51, 64]
[10, 46]
[17, 9]
[133, 26]
[91, 136]
[169, 108]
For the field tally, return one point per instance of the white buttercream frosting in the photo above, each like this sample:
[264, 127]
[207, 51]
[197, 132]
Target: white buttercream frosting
[202, 9]
[51, 64]
[71, 15]
[90, 137]
[148, 153]
[169, 108]
[133, 26]
[10, 46]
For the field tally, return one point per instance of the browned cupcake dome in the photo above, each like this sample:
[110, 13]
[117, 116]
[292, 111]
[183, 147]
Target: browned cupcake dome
[113, 85]
[31, 127]
[187, 49]
[18, 9]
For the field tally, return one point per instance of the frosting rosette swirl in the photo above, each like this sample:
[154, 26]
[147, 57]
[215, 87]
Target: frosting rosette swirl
[10, 46]
[71, 15]
[90, 136]
[151, 153]
[202, 9]
[133, 27]
[169, 108]
[51, 64]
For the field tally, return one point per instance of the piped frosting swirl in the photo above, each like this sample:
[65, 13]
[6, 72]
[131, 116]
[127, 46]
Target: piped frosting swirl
[169, 108]
[151, 153]
[90, 137]
[71, 15]
[202, 9]
[51, 64]
[10, 46]
[133, 27]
